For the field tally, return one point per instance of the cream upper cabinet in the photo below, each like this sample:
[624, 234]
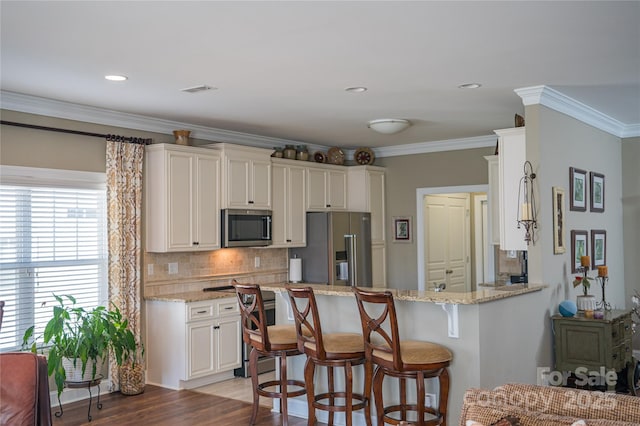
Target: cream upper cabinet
[494, 199]
[246, 176]
[288, 204]
[182, 198]
[511, 157]
[326, 188]
[366, 194]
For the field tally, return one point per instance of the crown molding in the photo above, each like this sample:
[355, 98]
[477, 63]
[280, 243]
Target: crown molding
[551, 98]
[70, 111]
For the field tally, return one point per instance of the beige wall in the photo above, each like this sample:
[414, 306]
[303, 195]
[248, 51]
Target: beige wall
[404, 175]
[631, 219]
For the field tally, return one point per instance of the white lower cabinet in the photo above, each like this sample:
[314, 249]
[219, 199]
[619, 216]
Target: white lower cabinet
[192, 344]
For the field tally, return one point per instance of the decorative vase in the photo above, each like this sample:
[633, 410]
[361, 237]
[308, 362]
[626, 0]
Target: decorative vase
[131, 379]
[277, 153]
[289, 152]
[182, 137]
[302, 153]
[586, 302]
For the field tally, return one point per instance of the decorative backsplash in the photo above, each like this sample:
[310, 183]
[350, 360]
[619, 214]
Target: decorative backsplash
[196, 270]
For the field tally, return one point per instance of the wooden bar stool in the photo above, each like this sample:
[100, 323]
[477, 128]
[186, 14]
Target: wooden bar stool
[403, 359]
[273, 341]
[331, 350]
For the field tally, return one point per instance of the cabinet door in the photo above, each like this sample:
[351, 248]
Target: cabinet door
[228, 352]
[316, 190]
[260, 190]
[180, 188]
[279, 206]
[337, 190]
[201, 348]
[207, 207]
[238, 186]
[378, 263]
[376, 206]
[296, 207]
[494, 199]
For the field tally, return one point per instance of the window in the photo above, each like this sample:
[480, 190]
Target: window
[52, 241]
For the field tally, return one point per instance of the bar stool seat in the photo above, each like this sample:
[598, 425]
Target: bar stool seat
[403, 359]
[331, 350]
[272, 341]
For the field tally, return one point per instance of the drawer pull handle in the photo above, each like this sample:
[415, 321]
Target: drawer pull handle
[201, 312]
[615, 356]
[228, 308]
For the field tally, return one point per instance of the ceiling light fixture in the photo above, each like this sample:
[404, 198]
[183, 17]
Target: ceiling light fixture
[470, 86]
[389, 126]
[196, 89]
[357, 89]
[116, 77]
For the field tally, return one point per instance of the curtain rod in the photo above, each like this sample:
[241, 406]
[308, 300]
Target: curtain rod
[109, 137]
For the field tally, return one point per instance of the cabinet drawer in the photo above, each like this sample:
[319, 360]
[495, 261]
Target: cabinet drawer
[229, 307]
[198, 311]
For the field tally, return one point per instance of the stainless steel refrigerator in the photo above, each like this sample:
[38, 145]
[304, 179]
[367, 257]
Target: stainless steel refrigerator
[338, 250]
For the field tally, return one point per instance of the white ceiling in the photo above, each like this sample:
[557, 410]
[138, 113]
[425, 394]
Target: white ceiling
[281, 67]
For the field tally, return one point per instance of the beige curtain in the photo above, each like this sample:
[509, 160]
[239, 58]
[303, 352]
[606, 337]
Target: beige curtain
[124, 216]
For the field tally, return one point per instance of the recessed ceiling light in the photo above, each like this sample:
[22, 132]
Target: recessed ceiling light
[116, 77]
[357, 89]
[470, 86]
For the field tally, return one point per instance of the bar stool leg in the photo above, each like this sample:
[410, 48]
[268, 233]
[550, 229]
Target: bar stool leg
[283, 389]
[348, 381]
[420, 397]
[368, 379]
[403, 399]
[309, 369]
[443, 398]
[331, 390]
[253, 370]
[378, 377]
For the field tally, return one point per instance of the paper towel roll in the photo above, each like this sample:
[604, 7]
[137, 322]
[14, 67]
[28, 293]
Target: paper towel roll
[295, 270]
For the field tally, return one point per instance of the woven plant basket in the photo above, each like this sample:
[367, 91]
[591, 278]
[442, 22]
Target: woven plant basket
[131, 379]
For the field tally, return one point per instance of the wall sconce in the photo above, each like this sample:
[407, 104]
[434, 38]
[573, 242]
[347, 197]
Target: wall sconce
[527, 203]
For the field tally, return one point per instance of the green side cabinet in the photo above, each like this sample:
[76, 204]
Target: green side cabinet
[584, 345]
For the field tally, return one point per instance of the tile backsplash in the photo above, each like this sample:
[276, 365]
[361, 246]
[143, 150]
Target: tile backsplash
[192, 271]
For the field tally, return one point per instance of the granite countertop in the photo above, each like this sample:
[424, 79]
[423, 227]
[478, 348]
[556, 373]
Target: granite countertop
[482, 295]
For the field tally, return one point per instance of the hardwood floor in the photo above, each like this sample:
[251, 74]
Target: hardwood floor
[159, 406]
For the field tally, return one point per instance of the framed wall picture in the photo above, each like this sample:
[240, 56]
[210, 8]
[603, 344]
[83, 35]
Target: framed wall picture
[598, 248]
[402, 229]
[579, 248]
[558, 221]
[597, 192]
[578, 188]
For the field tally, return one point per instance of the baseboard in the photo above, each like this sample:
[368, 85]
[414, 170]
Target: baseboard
[298, 408]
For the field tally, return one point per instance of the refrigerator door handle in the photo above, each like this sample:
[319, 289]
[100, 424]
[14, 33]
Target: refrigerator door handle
[350, 243]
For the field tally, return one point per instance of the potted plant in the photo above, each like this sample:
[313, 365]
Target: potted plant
[75, 339]
[128, 353]
[586, 301]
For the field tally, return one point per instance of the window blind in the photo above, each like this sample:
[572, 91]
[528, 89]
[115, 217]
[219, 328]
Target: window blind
[52, 241]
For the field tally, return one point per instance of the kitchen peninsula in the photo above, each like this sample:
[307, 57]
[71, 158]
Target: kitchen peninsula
[481, 356]
[480, 319]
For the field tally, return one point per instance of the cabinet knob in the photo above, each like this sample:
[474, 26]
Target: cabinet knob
[250, 202]
[288, 241]
[448, 271]
[216, 327]
[195, 243]
[615, 356]
[328, 205]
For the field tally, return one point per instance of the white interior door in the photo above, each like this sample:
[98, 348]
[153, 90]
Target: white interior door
[447, 242]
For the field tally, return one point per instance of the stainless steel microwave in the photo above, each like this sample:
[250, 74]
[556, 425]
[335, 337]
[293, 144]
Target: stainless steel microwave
[245, 228]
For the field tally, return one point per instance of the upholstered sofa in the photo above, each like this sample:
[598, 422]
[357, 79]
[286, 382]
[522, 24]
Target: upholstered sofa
[535, 405]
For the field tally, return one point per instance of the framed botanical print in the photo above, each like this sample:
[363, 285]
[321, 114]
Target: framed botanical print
[597, 192]
[558, 221]
[598, 248]
[578, 188]
[402, 229]
[579, 248]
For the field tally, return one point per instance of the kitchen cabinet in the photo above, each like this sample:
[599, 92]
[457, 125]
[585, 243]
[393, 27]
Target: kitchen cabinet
[367, 194]
[589, 343]
[182, 198]
[326, 188]
[493, 199]
[190, 344]
[246, 176]
[288, 204]
[511, 157]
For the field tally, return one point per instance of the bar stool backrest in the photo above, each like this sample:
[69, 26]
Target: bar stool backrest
[305, 313]
[379, 330]
[254, 318]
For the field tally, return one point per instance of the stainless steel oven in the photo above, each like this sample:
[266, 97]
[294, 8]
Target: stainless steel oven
[265, 364]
